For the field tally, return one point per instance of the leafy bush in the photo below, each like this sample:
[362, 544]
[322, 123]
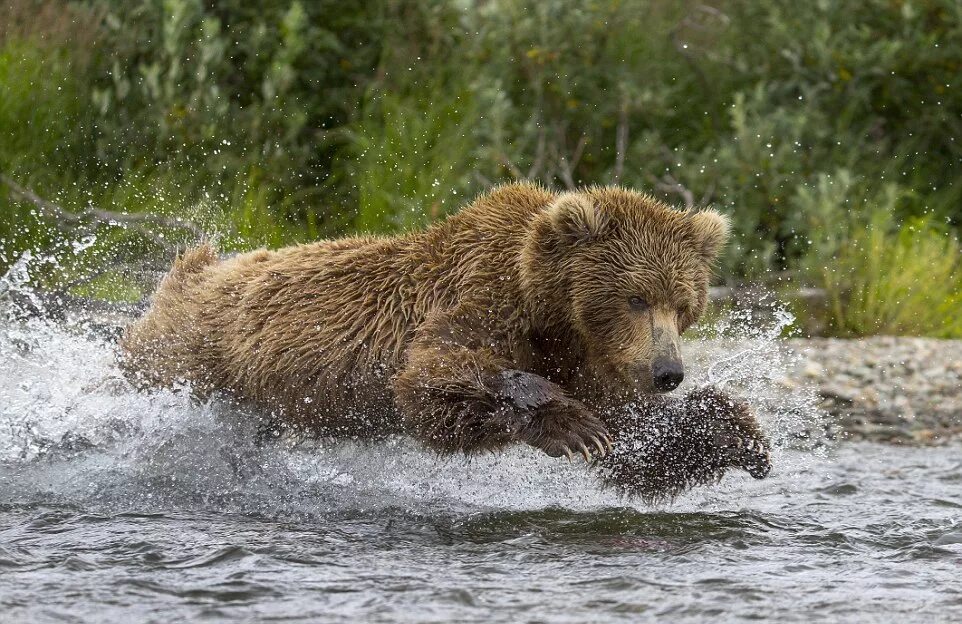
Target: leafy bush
[905, 280]
[881, 277]
[738, 103]
[228, 88]
[287, 120]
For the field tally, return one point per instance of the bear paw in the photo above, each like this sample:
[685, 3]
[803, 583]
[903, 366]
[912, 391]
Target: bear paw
[736, 435]
[567, 430]
[551, 421]
[752, 455]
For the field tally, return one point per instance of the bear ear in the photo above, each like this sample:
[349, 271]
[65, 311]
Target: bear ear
[711, 229]
[576, 218]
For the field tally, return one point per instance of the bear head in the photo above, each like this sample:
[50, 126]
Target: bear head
[622, 275]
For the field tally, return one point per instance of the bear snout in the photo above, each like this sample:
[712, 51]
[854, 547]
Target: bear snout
[667, 374]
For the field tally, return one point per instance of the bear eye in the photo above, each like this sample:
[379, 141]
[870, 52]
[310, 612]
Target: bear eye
[637, 303]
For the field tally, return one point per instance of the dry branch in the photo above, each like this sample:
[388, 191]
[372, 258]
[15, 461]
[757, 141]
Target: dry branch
[510, 166]
[567, 167]
[621, 144]
[669, 184]
[135, 221]
[539, 151]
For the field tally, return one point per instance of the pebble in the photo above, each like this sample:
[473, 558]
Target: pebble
[886, 389]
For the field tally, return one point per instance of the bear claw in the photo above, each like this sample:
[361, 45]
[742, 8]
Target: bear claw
[759, 469]
[749, 453]
[602, 449]
[585, 451]
[568, 433]
[755, 458]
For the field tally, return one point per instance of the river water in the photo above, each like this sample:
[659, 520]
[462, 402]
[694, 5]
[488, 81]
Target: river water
[119, 506]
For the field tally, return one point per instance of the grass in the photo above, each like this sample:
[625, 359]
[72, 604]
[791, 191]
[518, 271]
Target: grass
[896, 280]
[411, 158]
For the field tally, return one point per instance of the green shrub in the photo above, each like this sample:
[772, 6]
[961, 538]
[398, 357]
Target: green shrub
[881, 276]
[737, 103]
[41, 130]
[904, 281]
[412, 159]
[288, 120]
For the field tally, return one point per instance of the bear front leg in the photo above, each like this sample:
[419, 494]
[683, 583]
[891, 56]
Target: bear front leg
[668, 445]
[550, 420]
[459, 392]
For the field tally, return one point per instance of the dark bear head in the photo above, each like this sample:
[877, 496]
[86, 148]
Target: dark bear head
[624, 275]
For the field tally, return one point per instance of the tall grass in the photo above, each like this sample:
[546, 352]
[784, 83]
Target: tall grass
[413, 158]
[883, 274]
[896, 280]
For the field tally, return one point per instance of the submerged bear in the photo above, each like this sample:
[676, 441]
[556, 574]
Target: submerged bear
[528, 317]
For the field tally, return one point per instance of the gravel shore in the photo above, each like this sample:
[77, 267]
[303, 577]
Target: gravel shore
[885, 389]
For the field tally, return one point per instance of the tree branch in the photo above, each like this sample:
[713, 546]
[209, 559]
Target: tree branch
[135, 221]
[539, 150]
[669, 184]
[566, 167]
[510, 166]
[621, 143]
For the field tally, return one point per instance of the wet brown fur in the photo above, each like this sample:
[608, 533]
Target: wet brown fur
[507, 322]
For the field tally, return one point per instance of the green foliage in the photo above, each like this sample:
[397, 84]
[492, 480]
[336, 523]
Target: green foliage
[288, 120]
[568, 76]
[38, 104]
[882, 277]
[905, 280]
[40, 113]
[231, 88]
[413, 158]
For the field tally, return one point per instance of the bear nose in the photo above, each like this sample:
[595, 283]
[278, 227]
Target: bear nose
[666, 374]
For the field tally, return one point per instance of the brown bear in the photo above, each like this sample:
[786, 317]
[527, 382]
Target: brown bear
[529, 316]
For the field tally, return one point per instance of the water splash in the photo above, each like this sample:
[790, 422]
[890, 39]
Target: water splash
[743, 352]
[72, 431]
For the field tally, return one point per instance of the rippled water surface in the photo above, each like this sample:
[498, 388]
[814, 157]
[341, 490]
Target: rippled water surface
[119, 506]
[867, 535]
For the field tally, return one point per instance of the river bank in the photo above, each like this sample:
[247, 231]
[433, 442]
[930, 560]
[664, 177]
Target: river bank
[884, 389]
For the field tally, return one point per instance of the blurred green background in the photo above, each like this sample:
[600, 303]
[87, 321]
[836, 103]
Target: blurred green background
[830, 131]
